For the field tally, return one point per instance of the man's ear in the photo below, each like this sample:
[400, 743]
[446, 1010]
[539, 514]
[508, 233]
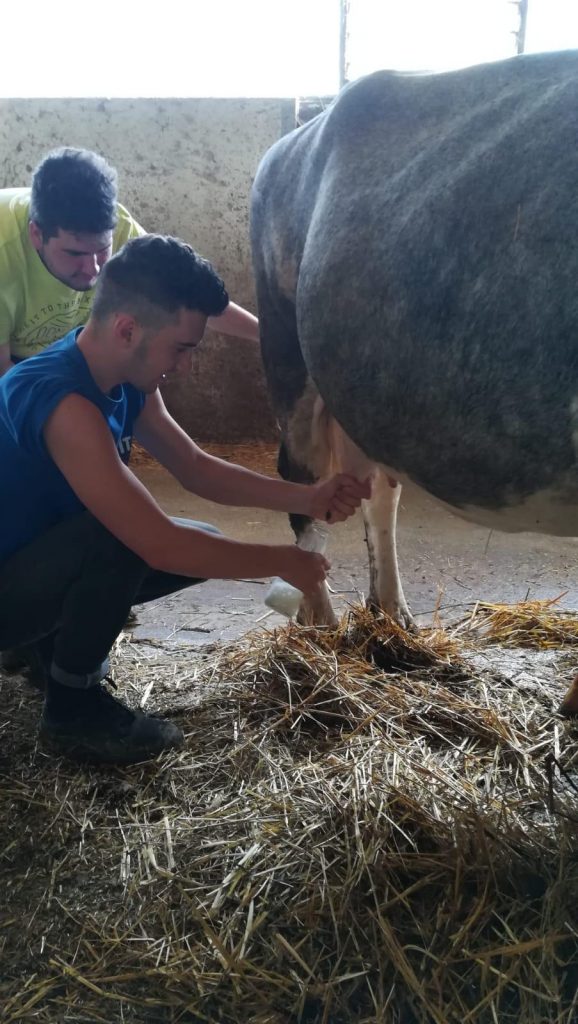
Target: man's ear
[35, 235]
[125, 329]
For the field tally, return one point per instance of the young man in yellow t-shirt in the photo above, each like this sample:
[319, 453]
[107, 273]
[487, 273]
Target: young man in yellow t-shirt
[54, 240]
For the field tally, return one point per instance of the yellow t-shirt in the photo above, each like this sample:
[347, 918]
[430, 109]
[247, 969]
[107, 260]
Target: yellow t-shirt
[35, 307]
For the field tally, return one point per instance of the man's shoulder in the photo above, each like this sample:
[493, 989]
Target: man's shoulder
[14, 207]
[15, 198]
[54, 362]
[33, 388]
[126, 227]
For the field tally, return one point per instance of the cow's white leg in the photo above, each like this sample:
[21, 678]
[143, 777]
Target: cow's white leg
[380, 517]
[306, 456]
[315, 609]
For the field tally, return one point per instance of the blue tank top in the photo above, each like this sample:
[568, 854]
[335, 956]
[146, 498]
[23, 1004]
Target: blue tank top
[34, 493]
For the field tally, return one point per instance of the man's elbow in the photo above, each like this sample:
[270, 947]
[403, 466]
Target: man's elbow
[157, 560]
[157, 552]
[176, 549]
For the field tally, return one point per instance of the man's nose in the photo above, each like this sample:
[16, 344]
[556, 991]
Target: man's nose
[89, 265]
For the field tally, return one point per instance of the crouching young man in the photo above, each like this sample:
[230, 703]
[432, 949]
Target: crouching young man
[82, 540]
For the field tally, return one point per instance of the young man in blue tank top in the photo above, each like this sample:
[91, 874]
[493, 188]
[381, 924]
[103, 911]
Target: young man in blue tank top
[81, 539]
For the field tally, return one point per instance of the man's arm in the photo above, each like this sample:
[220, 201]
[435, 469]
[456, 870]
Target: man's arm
[5, 359]
[228, 484]
[237, 321]
[80, 443]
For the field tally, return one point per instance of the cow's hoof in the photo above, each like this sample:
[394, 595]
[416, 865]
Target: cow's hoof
[313, 617]
[569, 706]
[398, 611]
[405, 619]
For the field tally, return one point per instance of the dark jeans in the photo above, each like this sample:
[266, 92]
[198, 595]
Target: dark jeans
[78, 582]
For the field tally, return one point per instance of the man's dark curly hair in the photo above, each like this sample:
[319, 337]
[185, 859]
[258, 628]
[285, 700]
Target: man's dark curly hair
[155, 276]
[74, 190]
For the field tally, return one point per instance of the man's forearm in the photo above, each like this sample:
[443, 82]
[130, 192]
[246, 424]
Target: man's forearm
[196, 553]
[236, 321]
[229, 484]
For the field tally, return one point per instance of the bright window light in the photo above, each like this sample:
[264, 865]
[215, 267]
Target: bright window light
[258, 48]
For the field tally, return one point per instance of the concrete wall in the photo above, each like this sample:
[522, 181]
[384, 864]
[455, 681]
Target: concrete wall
[185, 168]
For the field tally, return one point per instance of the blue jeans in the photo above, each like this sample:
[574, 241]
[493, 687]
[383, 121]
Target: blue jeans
[78, 583]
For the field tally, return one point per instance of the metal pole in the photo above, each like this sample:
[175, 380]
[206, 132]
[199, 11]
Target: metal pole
[521, 33]
[343, 16]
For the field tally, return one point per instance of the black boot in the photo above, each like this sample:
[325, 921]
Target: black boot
[92, 725]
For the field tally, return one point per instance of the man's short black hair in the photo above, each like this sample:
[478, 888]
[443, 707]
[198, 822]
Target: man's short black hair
[74, 190]
[155, 276]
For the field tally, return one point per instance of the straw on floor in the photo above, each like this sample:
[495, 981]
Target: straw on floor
[365, 826]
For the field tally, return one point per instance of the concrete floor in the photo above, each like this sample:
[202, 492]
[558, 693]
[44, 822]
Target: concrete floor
[443, 562]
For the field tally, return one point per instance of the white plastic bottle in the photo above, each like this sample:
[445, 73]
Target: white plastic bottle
[281, 596]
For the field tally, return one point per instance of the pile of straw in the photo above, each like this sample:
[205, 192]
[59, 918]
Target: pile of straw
[536, 624]
[363, 827]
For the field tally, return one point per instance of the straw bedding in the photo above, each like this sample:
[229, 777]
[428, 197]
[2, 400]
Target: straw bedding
[365, 826]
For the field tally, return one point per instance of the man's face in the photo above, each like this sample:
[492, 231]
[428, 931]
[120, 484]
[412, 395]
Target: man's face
[166, 351]
[76, 260]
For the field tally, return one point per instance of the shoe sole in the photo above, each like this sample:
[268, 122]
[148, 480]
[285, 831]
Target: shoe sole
[65, 746]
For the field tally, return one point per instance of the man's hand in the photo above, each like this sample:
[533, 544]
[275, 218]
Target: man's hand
[305, 570]
[336, 499]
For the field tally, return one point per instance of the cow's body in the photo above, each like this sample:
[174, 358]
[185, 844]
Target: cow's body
[416, 260]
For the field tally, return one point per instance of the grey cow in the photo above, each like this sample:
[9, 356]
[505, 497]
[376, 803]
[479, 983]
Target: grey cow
[416, 257]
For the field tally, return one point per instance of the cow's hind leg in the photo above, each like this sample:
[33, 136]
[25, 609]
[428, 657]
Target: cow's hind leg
[303, 456]
[324, 448]
[311, 536]
[380, 518]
